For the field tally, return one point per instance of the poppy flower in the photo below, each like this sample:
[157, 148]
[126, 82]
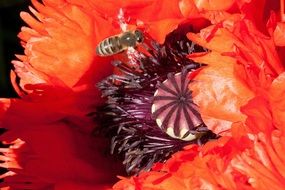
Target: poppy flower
[206, 77]
[56, 80]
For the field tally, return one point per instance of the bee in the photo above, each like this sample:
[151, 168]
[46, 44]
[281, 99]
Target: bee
[119, 43]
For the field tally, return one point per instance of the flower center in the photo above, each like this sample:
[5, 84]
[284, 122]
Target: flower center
[149, 113]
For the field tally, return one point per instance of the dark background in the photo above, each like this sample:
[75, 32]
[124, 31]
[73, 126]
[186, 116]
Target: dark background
[10, 25]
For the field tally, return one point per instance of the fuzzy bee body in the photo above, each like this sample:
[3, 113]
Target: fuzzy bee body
[118, 43]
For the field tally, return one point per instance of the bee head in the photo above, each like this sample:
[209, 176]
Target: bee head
[139, 36]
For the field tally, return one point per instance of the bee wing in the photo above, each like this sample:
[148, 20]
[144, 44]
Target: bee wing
[122, 20]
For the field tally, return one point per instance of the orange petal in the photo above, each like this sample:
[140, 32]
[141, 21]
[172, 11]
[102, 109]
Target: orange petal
[218, 93]
[258, 114]
[259, 164]
[158, 30]
[214, 4]
[275, 157]
[214, 38]
[249, 46]
[278, 34]
[277, 101]
[54, 44]
[163, 16]
[188, 8]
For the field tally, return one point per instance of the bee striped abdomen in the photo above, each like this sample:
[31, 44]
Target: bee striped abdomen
[109, 46]
[118, 43]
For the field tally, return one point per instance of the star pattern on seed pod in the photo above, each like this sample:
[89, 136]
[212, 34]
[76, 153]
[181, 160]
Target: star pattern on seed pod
[173, 107]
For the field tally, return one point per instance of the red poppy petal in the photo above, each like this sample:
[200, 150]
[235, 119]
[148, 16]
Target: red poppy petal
[260, 163]
[62, 154]
[258, 56]
[275, 156]
[277, 102]
[215, 37]
[163, 15]
[254, 10]
[53, 45]
[188, 8]
[4, 105]
[214, 4]
[158, 30]
[217, 92]
[259, 116]
[150, 10]
[278, 34]
[80, 186]
[278, 144]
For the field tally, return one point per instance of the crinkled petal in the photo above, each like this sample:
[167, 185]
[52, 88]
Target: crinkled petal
[53, 46]
[216, 5]
[218, 93]
[146, 14]
[277, 101]
[261, 163]
[259, 114]
[64, 153]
